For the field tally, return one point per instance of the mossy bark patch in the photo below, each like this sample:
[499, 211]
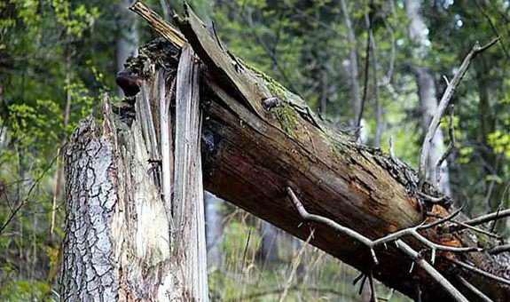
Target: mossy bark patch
[287, 118]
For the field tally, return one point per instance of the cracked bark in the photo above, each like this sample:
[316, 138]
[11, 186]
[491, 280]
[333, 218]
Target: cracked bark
[116, 226]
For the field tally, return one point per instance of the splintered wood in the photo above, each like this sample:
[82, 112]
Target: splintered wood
[188, 205]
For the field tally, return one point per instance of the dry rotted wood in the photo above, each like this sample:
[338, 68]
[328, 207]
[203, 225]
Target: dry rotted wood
[188, 201]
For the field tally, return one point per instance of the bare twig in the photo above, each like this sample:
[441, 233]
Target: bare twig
[478, 230]
[444, 219]
[371, 244]
[295, 263]
[345, 230]
[373, 292]
[392, 151]
[445, 100]
[449, 149]
[500, 206]
[480, 272]
[454, 293]
[431, 198]
[418, 292]
[356, 280]
[494, 222]
[23, 201]
[475, 290]
[482, 219]
[499, 249]
[493, 27]
[446, 80]
[362, 285]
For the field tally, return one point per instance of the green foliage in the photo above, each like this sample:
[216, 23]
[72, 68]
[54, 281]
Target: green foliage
[500, 142]
[25, 291]
[50, 61]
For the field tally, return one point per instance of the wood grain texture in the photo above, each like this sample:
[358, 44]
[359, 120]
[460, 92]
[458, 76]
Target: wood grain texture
[188, 202]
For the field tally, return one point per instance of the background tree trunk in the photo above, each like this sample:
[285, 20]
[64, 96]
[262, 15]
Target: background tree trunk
[127, 35]
[352, 68]
[268, 252]
[418, 33]
[213, 230]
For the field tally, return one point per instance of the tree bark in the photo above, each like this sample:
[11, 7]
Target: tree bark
[115, 224]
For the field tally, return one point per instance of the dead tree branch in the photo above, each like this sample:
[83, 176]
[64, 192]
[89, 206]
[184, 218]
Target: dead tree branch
[392, 237]
[482, 219]
[454, 292]
[499, 249]
[371, 244]
[445, 101]
[475, 290]
[481, 272]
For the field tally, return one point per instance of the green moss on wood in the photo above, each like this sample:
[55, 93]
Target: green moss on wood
[287, 118]
[272, 85]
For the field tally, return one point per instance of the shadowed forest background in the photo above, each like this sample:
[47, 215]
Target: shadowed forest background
[387, 61]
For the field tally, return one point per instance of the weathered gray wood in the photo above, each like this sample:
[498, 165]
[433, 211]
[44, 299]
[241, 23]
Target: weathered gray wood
[167, 161]
[189, 237]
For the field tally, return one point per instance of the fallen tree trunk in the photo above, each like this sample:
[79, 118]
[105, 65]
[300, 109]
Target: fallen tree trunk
[258, 139]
